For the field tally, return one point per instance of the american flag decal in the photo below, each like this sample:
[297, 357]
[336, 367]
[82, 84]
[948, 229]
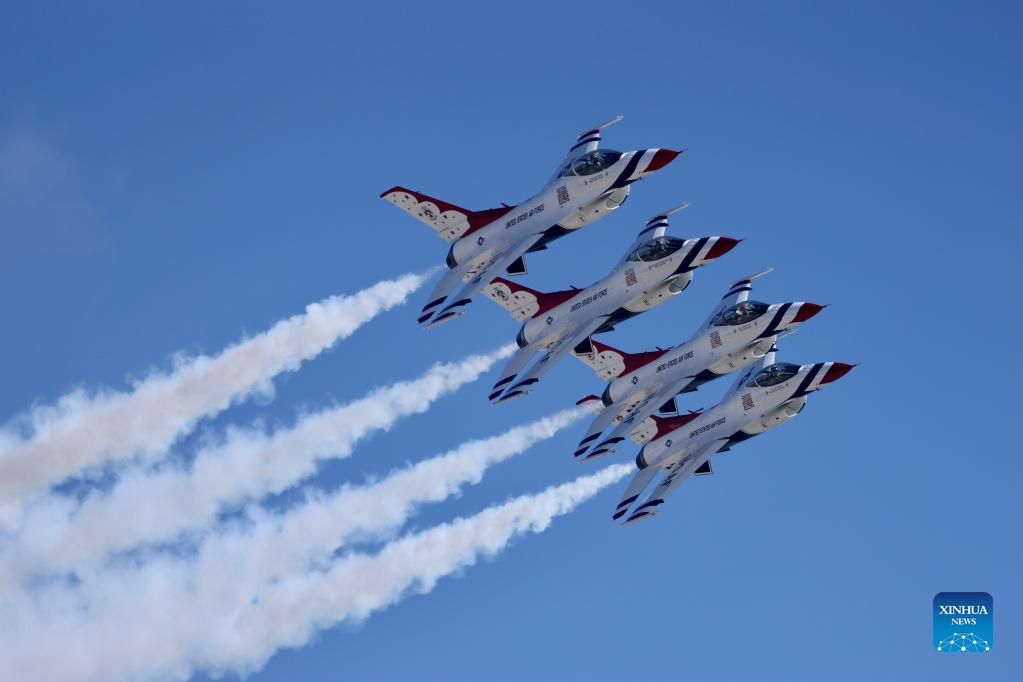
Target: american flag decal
[715, 339]
[630, 277]
[747, 402]
[562, 195]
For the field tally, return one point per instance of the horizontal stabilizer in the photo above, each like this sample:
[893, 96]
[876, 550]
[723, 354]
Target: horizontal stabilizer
[511, 370]
[635, 488]
[605, 416]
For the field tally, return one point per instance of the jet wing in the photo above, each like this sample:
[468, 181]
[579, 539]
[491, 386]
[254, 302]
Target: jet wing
[443, 306]
[597, 426]
[448, 220]
[607, 362]
[520, 301]
[697, 462]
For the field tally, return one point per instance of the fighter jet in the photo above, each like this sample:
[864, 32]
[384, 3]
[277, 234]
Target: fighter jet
[589, 184]
[766, 395]
[736, 333]
[654, 269]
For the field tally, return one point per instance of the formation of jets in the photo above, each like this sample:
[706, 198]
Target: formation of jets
[640, 401]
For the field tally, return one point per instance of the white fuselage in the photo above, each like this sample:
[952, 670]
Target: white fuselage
[567, 203]
[748, 411]
[631, 288]
[718, 350]
[713, 351]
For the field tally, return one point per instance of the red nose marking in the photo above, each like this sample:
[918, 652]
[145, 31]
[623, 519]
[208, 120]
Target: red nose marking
[806, 311]
[722, 246]
[835, 372]
[662, 157]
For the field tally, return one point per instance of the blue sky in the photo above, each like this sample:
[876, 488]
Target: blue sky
[173, 178]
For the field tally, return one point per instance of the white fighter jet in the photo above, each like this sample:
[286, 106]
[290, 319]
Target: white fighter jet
[654, 269]
[766, 395]
[737, 332]
[589, 184]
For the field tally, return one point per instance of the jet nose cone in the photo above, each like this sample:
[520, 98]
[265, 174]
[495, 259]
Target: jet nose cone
[836, 372]
[662, 157]
[806, 311]
[722, 246]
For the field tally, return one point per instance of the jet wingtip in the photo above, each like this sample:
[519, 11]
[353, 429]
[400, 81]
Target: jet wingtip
[596, 454]
[441, 319]
[510, 395]
[638, 516]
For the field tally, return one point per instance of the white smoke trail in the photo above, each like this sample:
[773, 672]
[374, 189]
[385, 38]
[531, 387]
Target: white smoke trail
[58, 534]
[172, 617]
[279, 546]
[82, 430]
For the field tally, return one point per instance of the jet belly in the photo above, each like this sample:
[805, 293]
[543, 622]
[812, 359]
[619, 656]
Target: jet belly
[596, 300]
[629, 403]
[670, 368]
[672, 448]
[530, 217]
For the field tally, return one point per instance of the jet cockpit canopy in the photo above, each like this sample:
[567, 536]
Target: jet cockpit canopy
[773, 375]
[656, 249]
[592, 162]
[740, 313]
